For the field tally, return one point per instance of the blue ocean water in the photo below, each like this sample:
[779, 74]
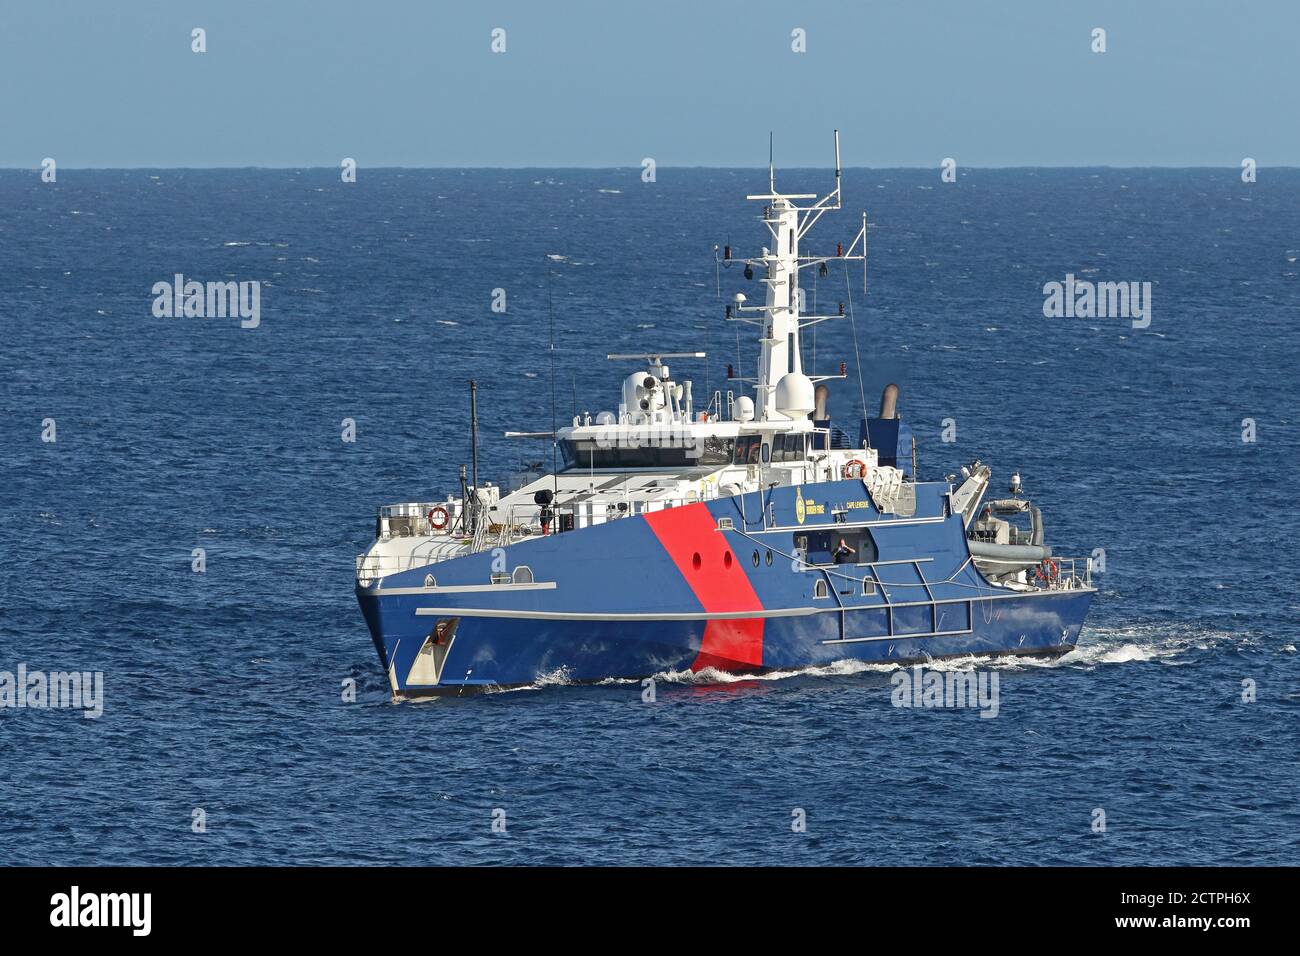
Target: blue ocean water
[223, 690]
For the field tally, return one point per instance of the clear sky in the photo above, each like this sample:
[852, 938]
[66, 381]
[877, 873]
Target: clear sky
[688, 82]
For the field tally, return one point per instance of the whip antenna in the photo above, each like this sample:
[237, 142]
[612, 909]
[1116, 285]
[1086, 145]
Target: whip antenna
[853, 324]
[771, 168]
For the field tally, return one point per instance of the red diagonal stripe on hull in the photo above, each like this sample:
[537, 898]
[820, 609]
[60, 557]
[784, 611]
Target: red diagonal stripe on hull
[732, 644]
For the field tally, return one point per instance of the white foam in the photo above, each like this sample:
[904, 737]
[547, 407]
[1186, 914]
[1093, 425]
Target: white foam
[559, 676]
[711, 675]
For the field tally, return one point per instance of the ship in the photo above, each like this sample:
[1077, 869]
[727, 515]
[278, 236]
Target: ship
[750, 532]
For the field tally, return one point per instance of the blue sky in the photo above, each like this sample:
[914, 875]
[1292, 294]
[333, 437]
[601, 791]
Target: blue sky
[405, 83]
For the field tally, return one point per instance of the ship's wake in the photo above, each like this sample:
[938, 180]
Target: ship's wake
[1172, 644]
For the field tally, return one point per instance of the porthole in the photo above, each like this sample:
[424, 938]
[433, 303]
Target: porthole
[756, 559]
[430, 581]
[868, 588]
[523, 575]
[819, 589]
[695, 560]
[769, 557]
[726, 560]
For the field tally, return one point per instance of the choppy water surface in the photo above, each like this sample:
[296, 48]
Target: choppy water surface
[223, 689]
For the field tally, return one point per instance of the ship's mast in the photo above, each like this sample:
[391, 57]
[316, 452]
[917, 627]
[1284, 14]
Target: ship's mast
[780, 316]
[780, 352]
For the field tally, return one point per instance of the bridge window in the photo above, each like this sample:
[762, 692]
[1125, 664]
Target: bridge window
[748, 449]
[787, 447]
[637, 450]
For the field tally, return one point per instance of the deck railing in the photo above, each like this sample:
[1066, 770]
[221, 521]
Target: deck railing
[1069, 574]
[371, 567]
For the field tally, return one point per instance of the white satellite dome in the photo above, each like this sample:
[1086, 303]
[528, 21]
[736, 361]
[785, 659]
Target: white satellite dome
[744, 410]
[794, 395]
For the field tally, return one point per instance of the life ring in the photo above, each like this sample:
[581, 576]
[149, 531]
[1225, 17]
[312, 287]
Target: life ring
[848, 470]
[437, 517]
[1047, 571]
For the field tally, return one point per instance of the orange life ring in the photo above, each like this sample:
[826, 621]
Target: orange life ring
[847, 471]
[437, 517]
[1047, 570]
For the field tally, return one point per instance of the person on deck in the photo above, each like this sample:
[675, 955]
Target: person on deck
[844, 554]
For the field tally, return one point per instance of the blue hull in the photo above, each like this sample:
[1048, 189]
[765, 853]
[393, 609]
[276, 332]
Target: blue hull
[678, 589]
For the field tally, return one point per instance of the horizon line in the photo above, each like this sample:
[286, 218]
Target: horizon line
[334, 168]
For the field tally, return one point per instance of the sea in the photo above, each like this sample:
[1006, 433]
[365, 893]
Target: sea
[184, 499]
